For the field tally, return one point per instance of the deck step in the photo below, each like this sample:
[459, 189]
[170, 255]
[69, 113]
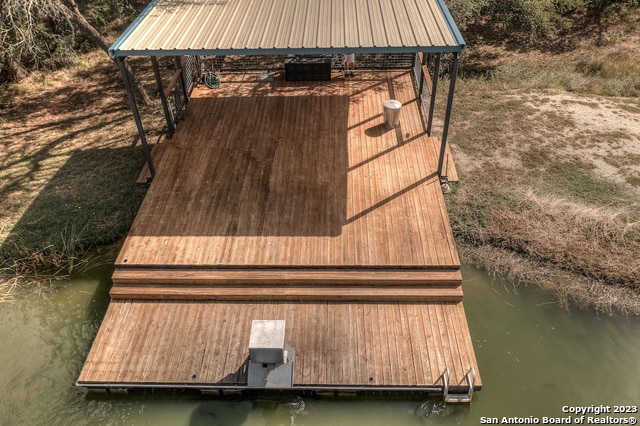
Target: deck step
[270, 277]
[392, 293]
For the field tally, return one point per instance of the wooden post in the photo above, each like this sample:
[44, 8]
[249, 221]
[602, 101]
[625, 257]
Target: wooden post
[182, 80]
[434, 90]
[424, 62]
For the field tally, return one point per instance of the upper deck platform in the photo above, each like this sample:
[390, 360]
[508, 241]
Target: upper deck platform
[296, 175]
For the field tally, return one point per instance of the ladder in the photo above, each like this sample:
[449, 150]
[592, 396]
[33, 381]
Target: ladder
[458, 398]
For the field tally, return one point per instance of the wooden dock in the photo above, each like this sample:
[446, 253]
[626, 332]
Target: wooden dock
[290, 201]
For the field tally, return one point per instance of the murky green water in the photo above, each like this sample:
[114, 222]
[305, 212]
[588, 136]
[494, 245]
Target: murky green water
[534, 358]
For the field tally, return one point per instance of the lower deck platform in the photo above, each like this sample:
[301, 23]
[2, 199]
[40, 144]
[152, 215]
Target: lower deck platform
[339, 346]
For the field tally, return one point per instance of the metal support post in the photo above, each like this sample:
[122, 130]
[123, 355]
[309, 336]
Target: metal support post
[434, 87]
[165, 106]
[447, 115]
[136, 115]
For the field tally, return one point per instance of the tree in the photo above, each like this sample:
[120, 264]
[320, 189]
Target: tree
[34, 33]
[532, 20]
[463, 11]
[73, 12]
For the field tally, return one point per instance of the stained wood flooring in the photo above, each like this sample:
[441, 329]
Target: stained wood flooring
[290, 201]
[296, 175]
[338, 345]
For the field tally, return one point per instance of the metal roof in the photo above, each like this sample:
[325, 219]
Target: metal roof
[250, 27]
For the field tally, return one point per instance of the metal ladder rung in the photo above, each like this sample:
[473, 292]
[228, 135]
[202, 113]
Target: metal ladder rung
[455, 398]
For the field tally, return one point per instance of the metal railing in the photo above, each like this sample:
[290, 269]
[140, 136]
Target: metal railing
[233, 63]
[184, 82]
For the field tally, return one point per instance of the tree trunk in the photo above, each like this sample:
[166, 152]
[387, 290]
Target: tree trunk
[85, 27]
[15, 70]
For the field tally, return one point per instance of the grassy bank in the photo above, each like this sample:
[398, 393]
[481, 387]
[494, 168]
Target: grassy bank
[548, 146]
[68, 165]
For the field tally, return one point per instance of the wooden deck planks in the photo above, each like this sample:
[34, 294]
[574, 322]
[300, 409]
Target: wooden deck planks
[370, 344]
[309, 177]
[291, 293]
[306, 210]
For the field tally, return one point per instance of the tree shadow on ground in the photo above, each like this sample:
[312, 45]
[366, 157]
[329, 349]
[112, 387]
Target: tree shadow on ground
[69, 160]
[90, 201]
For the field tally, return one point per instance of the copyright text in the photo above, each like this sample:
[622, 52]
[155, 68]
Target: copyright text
[591, 415]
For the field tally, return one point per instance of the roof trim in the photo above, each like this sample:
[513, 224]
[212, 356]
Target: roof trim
[452, 24]
[301, 51]
[176, 27]
[116, 45]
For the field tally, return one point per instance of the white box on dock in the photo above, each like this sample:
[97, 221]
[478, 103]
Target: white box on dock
[266, 342]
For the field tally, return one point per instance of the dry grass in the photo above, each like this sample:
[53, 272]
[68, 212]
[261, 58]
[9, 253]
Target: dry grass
[547, 140]
[549, 189]
[569, 288]
[592, 241]
[69, 157]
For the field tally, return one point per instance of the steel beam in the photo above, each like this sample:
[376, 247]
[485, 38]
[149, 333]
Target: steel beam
[136, 115]
[165, 106]
[447, 115]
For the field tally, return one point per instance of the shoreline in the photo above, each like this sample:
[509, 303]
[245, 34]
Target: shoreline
[569, 289]
[548, 178]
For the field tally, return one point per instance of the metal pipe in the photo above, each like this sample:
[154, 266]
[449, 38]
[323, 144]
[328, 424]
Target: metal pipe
[165, 106]
[136, 114]
[434, 88]
[447, 115]
[129, 385]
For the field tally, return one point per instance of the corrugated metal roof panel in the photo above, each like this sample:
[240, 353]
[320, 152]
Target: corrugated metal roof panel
[390, 27]
[296, 26]
[377, 25]
[337, 23]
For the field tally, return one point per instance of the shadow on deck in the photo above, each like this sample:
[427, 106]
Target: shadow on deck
[290, 201]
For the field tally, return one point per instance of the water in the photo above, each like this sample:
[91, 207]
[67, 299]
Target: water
[534, 358]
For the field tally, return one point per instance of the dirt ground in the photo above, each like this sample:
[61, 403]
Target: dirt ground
[550, 193]
[546, 139]
[612, 127]
[602, 131]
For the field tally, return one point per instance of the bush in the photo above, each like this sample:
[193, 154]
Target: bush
[532, 19]
[464, 11]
